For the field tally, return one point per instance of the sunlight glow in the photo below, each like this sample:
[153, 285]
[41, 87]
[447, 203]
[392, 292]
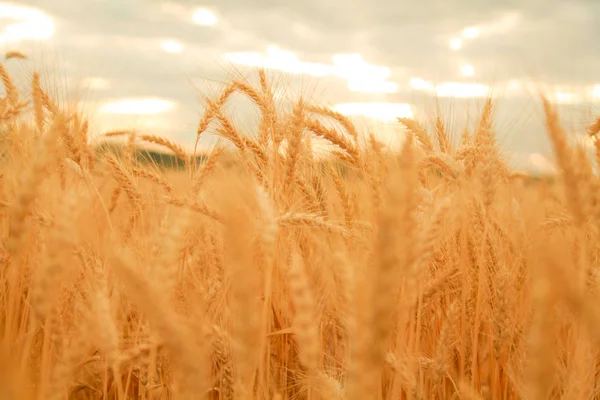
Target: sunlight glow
[421, 84]
[202, 16]
[362, 86]
[352, 66]
[98, 83]
[461, 90]
[386, 112]
[171, 46]
[467, 70]
[144, 106]
[565, 94]
[281, 60]
[471, 32]
[493, 27]
[360, 75]
[456, 43]
[564, 97]
[514, 85]
[31, 23]
[450, 89]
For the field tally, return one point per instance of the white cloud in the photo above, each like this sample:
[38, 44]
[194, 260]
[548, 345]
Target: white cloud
[471, 32]
[381, 111]
[421, 84]
[493, 27]
[461, 90]
[171, 46]
[366, 86]
[30, 23]
[451, 89]
[203, 16]
[361, 75]
[143, 106]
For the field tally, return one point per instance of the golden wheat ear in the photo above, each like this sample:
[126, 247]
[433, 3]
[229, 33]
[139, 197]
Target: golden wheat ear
[281, 270]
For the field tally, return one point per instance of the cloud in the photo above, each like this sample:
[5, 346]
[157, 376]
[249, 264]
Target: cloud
[155, 49]
[143, 106]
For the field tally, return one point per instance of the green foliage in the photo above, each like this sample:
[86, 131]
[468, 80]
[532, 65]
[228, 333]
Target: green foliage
[145, 156]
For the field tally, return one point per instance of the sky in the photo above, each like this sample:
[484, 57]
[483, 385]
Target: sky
[146, 64]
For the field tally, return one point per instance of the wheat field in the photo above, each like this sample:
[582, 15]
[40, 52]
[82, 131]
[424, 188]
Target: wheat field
[266, 272]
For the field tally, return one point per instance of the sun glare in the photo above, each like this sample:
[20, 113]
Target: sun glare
[146, 106]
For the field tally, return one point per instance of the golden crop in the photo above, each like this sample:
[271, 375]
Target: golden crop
[268, 273]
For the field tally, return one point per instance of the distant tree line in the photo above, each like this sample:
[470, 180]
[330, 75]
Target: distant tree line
[147, 156]
[170, 161]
